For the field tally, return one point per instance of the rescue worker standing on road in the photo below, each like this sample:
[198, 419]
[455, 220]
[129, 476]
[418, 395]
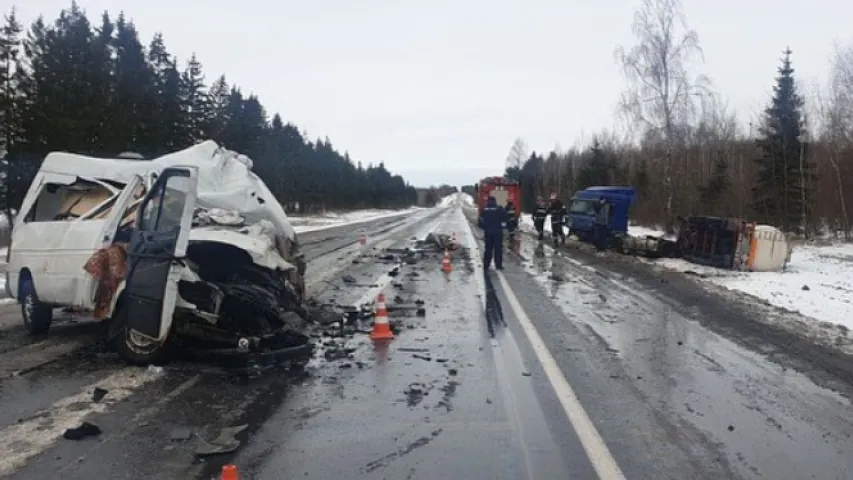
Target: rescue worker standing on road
[539, 216]
[491, 221]
[558, 213]
[511, 218]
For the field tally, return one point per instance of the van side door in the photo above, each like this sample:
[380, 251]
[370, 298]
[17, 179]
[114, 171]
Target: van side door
[159, 242]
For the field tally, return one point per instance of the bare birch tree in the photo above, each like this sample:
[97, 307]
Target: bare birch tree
[660, 98]
[835, 118]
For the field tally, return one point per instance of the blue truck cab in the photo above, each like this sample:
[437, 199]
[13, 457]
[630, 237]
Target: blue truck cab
[584, 208]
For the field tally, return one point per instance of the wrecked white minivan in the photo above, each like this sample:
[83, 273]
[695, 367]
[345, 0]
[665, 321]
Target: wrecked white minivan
[186, 248]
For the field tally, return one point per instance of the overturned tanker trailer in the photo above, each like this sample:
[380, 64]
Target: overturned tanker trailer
[187, 250]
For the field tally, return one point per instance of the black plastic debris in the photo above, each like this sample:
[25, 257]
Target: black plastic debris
[98, 394]
[348, 279]
[86, 429]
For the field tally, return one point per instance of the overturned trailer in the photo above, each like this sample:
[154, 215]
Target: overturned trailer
[732, 243]
[720, 242]
[187, 247]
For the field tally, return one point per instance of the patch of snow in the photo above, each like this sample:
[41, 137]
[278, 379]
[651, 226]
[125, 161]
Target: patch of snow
[639, 231]
[818, 282]
[526, 223]
[467, 200]
[447, 201]
[334, 219]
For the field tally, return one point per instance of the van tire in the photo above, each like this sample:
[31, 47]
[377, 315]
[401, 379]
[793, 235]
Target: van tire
[132, 353]
[37, 316]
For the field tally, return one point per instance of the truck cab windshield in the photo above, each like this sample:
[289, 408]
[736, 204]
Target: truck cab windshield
[584, 207]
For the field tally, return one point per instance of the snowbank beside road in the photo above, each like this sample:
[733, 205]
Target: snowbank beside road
[818, 282]
[329, 220]
[447, 201]
[467, 200]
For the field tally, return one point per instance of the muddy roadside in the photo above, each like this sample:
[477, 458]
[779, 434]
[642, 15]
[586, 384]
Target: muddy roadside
[786, 338]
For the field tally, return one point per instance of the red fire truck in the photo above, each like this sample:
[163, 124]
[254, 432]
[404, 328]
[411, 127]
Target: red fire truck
[503, 189]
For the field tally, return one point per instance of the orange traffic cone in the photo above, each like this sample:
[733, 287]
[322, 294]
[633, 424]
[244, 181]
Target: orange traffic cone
[362, 240]
[446, 266]
[229, 472]
[381, 328]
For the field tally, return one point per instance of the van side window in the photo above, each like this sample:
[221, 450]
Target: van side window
[58, 202]
[165, 209]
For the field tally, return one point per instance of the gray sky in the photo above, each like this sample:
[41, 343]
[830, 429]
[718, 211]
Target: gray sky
[439, 90]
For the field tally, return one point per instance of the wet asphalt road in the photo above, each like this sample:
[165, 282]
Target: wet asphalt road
[676, 383]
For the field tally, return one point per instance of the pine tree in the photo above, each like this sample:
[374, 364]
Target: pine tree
[785, 180]
[218, 97]
[194, 99]
[134, 113]
[10, 128]
[171, 132]
[597, 170]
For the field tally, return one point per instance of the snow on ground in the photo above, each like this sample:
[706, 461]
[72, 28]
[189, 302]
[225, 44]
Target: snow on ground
[447, 201]
[526, 223]
[818, 282]
[335, 219]
[640, 231]
[467, 200]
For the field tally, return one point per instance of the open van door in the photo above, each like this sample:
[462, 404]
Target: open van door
[164, 219]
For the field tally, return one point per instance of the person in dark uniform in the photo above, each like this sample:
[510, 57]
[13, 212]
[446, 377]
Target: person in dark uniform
[491, 221]
[539, 216]
[558, 213]
[511, 218]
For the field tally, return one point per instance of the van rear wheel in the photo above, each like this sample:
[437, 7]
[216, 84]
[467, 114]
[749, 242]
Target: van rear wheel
[37, 316]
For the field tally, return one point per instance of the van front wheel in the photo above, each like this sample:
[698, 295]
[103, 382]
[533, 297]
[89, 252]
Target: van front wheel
[136, 349]
[139, 350]
[37, 316]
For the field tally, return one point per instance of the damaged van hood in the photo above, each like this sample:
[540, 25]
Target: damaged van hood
[225, 179]
[257, 240]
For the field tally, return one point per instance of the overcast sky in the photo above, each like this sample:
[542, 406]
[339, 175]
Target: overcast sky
[439, 90]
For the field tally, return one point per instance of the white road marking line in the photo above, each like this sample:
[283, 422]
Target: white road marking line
[597, 452]
[471, 242]
[33, 436]
[512, 403]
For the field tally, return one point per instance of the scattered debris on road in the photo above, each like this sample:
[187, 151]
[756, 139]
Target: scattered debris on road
[225, 442]
[86, 429]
